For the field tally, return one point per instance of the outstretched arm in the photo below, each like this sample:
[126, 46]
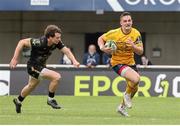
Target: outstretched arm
[21, 44]
[69, 54]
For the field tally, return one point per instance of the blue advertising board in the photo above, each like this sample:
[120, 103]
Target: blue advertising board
[90, 5]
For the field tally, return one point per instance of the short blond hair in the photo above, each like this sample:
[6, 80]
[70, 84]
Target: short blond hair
[125, 14]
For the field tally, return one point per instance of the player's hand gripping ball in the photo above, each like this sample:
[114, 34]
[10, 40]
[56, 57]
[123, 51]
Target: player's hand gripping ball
[111, 44]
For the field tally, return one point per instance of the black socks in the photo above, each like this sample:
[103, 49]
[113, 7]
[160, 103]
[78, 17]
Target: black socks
[20, 98]
[51, 94]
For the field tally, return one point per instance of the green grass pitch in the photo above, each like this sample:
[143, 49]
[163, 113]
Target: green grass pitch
[90, 110]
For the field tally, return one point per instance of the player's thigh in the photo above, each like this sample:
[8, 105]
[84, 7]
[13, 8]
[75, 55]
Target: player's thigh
[33, 81]
[131, 75]
[50, 74]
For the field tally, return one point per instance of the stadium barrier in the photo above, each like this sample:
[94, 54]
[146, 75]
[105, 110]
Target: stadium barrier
[156, 80]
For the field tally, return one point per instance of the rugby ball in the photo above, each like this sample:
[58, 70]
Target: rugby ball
[111, 44]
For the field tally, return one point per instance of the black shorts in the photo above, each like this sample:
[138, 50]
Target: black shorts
[34, 69]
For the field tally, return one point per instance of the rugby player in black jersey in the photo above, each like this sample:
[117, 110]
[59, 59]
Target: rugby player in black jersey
[41, 49]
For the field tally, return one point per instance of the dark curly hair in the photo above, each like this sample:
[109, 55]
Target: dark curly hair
[51, 30]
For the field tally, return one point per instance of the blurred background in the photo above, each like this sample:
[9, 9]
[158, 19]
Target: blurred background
[83, 21]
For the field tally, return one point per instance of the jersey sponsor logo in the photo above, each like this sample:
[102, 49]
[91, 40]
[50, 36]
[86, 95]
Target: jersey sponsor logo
[36, 42]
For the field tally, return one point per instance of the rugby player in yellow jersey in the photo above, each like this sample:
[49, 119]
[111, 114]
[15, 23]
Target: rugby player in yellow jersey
[128, 41]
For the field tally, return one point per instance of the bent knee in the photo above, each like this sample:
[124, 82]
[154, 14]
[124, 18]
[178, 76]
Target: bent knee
[57, 77]
[137, 79]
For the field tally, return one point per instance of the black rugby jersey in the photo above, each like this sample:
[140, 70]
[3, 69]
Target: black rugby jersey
[40, 51]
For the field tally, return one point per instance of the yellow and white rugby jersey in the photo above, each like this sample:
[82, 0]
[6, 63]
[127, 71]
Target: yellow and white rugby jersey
[124, 53]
